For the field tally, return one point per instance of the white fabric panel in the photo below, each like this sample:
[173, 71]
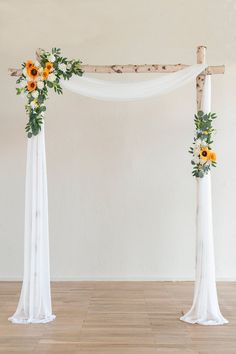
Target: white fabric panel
[205, 309]
[130, 91]
[35, 300]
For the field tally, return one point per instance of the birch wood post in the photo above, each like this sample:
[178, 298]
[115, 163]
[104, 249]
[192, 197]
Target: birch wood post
[200, 81]
[205, 308]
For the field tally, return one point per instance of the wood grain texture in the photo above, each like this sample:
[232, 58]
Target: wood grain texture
[200, 80]
[118, 318]
[136, 68]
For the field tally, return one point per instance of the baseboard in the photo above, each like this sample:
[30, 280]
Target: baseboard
[128, 278]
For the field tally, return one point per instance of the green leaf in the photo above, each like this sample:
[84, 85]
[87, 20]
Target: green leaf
[19, 90]
[50, 84]
[42, 109]
[40, 99]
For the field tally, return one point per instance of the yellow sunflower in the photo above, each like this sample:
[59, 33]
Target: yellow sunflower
[31, 85]
[213, 156]
[29, 64]
[45, 74]
[49, 66]
[205, 154]
[33, 72]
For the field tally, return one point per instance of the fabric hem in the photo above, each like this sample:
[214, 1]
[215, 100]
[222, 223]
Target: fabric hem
[218, 322]
[18, 320]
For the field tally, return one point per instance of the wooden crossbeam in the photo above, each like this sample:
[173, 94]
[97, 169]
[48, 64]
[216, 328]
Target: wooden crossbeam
[146, 68]
[136, 68]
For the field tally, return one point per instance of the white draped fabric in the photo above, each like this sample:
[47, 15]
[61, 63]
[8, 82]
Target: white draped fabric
[35, 300]
[205, 309]
[131, 91]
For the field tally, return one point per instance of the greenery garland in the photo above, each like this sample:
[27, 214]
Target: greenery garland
[39, 76]
[203, 155]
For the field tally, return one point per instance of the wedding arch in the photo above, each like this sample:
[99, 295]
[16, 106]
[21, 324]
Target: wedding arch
[50, 70]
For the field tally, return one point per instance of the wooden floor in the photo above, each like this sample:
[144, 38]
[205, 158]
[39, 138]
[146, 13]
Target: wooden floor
[118, 318]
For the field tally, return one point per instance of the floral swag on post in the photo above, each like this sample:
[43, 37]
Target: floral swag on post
[37, 77]
[203, 155]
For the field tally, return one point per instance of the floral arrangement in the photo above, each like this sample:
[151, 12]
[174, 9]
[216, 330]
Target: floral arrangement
[39, 76]
[203, 155]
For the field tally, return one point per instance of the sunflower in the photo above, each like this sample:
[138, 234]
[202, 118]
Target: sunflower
[29, 64]
[213, 156]
[49, 66]
[31, 85]
[33, 72]
[205, 154]
[45, 74]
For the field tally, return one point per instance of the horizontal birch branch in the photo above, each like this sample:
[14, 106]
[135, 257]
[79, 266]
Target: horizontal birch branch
[131, 68]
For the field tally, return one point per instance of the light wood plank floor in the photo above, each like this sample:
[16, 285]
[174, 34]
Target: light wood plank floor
[118, 318]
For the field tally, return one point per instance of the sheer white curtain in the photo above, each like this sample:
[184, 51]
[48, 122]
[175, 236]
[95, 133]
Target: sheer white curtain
[131, 91]
[35, 300]
[205, 309]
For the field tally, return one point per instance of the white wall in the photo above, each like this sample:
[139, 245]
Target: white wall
[121, 195]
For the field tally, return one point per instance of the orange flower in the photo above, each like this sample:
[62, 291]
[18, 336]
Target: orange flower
[31, 85]
[213, 156]
[49, 66]
[33, 72]
[29, 64]
[45, 74]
